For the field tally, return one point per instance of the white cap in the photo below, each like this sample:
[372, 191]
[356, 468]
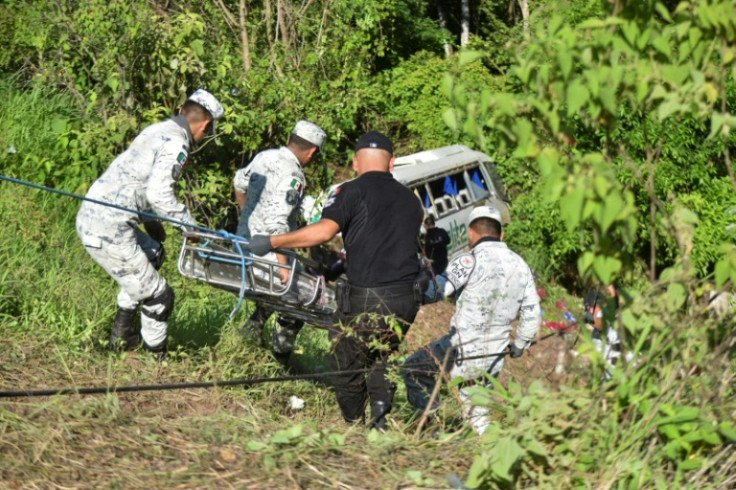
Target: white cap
[485, 212]
[310, 132]
[209, 102]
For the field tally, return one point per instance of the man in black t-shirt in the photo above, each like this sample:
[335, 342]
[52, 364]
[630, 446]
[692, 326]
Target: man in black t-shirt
[379, 219]
[435, 245]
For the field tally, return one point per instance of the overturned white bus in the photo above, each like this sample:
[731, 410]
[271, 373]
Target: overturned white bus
[451, 181]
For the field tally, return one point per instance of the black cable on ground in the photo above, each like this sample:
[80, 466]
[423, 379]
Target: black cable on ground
[222, 383]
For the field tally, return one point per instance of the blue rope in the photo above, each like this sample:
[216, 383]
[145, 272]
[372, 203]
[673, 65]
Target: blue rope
[235, 239]
[108, 204]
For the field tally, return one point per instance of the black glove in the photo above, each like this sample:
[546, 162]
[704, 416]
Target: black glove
[516, 351]
[155, 230]
[260, 245]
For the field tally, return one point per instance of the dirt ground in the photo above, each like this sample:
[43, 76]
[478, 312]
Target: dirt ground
[552, 358]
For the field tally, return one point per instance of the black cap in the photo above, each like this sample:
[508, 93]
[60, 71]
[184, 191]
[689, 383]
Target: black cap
[374, 139]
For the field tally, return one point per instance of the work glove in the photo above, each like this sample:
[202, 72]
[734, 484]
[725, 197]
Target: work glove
[155, 230]
[516, 351]
[260, 245]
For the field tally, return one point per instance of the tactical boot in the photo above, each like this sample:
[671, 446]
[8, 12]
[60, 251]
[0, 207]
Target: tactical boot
[379, 410]
[159, 352]
[124, 335]
[252, 331]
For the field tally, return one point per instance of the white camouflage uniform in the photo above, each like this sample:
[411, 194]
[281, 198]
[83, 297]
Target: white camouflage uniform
[274, 185]
[141, 178]
[496, 284]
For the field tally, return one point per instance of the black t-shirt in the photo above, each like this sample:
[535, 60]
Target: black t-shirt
[379, 219]
[435, 248]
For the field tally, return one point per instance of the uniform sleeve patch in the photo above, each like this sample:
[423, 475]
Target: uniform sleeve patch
[183, 159]
[292, 197]
[176, 171]
[297, 185]
[458, 272]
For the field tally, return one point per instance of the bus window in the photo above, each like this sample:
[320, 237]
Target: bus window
[478, 184]
[498, 187]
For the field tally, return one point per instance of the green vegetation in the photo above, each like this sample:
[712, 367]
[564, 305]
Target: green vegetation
[612, 126]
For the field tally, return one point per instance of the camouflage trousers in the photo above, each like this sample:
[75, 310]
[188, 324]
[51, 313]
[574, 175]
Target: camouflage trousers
[128, 254]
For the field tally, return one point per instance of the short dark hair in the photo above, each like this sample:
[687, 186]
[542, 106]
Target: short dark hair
[300, 143]
[195, 112]
[486, 227]
[429, 220]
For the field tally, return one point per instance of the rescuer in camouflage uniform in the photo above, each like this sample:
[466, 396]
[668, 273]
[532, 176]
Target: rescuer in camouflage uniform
[142, 178]
[495, 286]
[269, 193]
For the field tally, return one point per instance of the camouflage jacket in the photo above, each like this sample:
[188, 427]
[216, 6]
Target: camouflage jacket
[495, 286]
[274, 185]
[142, 178]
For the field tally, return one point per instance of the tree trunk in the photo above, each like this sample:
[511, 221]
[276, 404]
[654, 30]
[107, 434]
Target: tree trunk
[524, 5]
[443, 24]
[465, 23]
[244, 39]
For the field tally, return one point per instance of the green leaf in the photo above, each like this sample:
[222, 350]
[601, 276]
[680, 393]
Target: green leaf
[606, 267]
[577, 96]
[612, 207]
[728, 431]
[564, 59]
[478, 468]
[467, 57]
[506, 453]
[676, 295]
[723, 272]
[256, 446]
[690, 464]
[112, 82]
[571, 207]
[678, 415]
[450, 118]
[585, 262]
[59, 125]
[198, 47]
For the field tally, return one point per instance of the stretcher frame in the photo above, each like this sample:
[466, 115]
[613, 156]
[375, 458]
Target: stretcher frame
[217, 260]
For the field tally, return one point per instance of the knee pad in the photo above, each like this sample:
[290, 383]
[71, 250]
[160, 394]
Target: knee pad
[165, 298]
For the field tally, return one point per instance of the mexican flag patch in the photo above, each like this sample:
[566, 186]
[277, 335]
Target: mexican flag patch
[295, 184]
[182, 159]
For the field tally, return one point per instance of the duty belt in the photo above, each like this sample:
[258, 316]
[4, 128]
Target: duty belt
[344, 291]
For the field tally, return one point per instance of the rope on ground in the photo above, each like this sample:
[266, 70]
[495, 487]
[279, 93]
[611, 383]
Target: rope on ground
[222, 383]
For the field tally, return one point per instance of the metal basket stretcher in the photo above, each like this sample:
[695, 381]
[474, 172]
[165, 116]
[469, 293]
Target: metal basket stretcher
[221, 261]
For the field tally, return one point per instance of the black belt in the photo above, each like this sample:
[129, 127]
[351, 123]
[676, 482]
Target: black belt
[404, 288]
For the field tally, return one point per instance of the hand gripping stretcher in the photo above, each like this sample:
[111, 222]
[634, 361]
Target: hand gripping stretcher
[221, 260]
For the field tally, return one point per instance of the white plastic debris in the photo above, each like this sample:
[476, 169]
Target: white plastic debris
[295, 403]
[12, 150]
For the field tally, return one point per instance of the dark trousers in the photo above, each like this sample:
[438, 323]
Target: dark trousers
[420, 371]
[364, 339]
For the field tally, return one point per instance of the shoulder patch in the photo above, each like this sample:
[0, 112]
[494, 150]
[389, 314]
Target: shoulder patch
[176, 171]
[182, 158]
[292, 197]
[297, 185]
[459, 270]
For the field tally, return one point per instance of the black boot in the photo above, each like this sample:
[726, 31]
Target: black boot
[252, 331]
[159, 352]
[379, 410]
[124, 335]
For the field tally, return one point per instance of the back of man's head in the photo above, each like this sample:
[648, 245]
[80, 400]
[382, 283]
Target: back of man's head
[307, 135]
[487, 227]
[486, 221]
[202, 106]
[374, 151]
